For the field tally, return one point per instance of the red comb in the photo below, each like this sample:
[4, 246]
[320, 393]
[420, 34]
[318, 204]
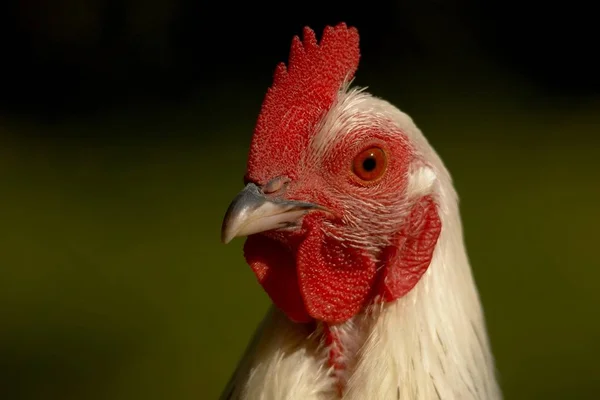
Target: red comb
[300, 95]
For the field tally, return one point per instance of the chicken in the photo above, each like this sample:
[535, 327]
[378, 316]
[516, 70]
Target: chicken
[354, 233]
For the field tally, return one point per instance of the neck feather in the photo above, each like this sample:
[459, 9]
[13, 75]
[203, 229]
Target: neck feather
[432, 343]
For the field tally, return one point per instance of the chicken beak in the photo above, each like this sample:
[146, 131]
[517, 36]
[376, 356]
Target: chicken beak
[252, 212]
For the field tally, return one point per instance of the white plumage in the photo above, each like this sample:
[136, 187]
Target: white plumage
[430, 344]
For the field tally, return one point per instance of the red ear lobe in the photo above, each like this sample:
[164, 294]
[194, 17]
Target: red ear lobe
[406, 261]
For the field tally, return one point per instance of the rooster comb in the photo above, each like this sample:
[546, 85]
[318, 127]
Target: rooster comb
[332, 59]
[303, 91]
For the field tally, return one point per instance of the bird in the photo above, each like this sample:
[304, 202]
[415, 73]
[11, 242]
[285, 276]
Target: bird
[352, 228]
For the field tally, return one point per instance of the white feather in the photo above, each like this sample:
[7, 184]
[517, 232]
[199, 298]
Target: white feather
[430, 344]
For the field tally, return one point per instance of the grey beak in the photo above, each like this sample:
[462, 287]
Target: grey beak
[252, 212]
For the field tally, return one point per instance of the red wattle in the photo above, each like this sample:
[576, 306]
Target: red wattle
[275, 269]
[335, 280]
[325, 279]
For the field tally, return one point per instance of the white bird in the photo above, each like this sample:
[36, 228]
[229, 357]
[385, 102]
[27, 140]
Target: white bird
[354, 232]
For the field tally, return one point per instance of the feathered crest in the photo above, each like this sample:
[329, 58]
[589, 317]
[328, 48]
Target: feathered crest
[300, 95]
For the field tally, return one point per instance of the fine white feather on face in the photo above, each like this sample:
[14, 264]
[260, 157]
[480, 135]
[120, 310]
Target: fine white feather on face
[354, 221]
[371, 210]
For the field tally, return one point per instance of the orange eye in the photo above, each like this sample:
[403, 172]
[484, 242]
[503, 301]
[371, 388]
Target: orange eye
[370, 164]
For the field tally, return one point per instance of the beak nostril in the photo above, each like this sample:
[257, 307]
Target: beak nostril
[252, 212]
[275, 185]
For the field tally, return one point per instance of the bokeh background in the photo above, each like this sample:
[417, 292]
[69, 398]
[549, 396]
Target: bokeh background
[124, 127]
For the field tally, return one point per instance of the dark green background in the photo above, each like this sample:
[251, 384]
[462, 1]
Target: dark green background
[118, 160]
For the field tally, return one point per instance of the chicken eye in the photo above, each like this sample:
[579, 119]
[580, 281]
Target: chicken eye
[370, 164]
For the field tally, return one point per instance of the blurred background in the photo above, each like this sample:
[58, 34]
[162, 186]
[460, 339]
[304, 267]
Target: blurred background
[124, 127]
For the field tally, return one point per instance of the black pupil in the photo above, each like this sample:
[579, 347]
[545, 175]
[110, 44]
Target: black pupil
[369, 163]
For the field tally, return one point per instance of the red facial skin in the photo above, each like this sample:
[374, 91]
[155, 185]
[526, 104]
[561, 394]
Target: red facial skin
[321, 271]
[312, 273]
